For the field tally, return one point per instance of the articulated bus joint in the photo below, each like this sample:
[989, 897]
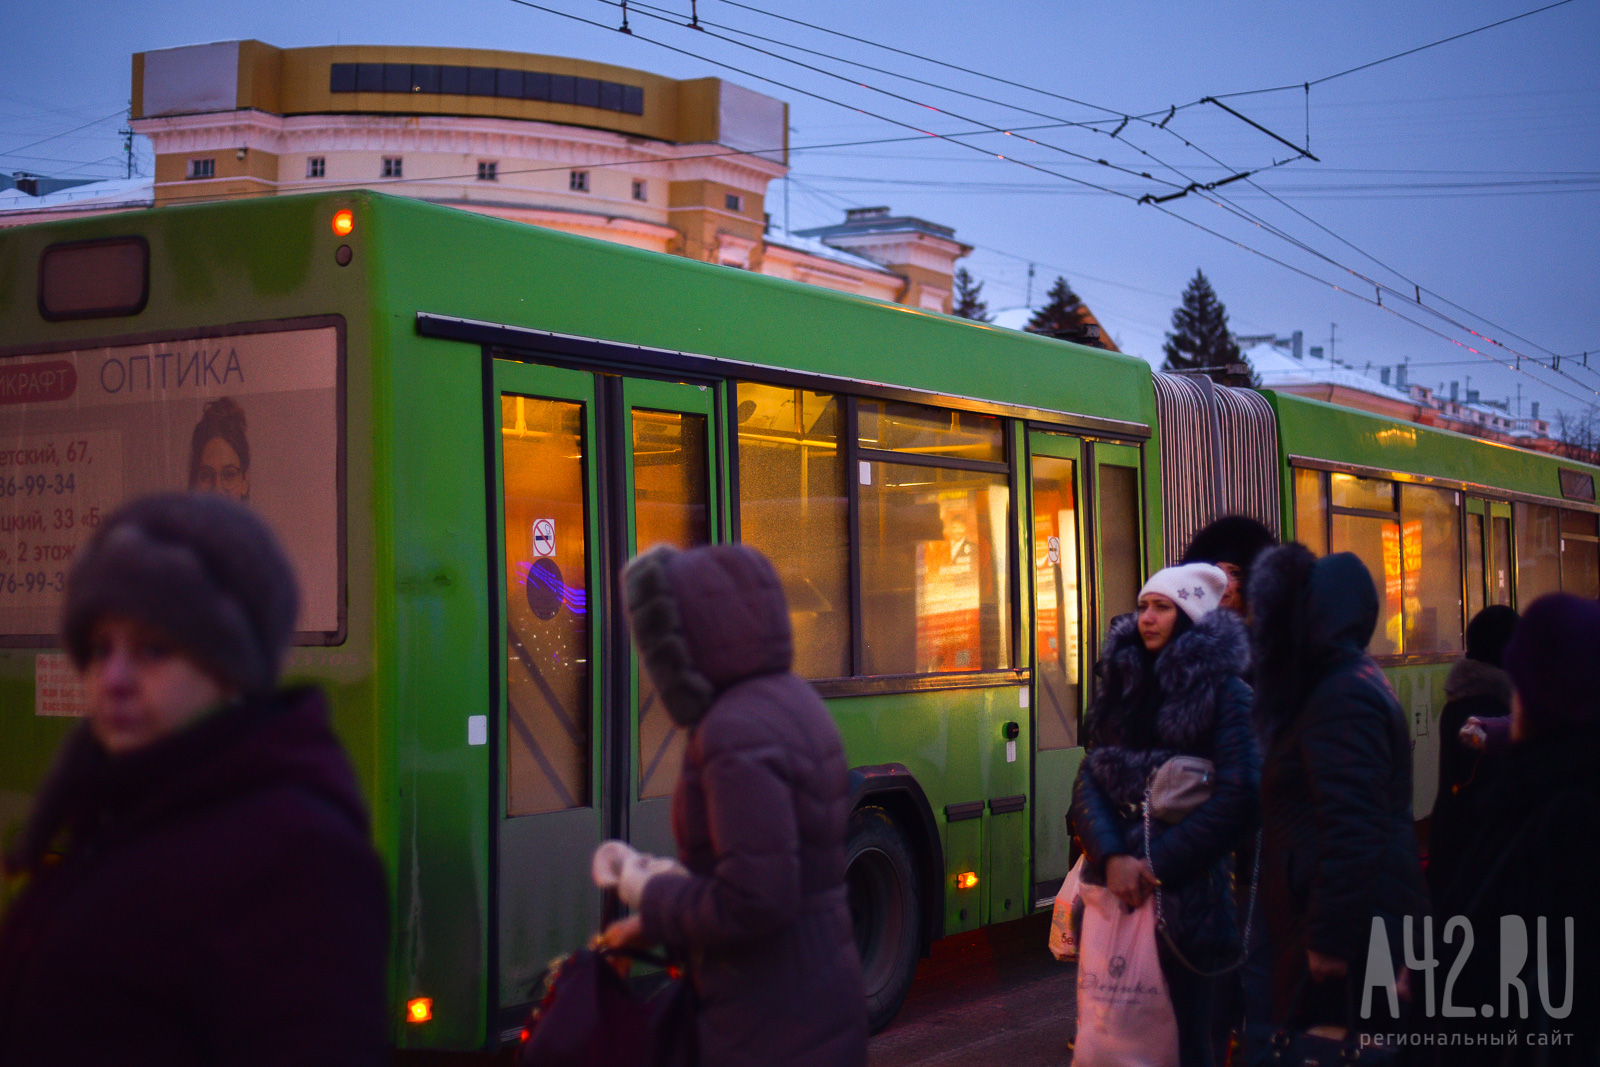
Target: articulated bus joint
[894, 788]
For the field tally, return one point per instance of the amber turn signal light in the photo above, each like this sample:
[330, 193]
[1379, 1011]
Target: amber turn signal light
[966, 880]
[344, 223]
[419, 1010]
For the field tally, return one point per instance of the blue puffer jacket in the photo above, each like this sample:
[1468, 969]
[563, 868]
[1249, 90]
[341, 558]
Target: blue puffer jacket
[1204, 711]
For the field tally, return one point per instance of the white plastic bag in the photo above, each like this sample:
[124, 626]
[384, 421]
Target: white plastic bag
[1125, 1016]
[1063, 943]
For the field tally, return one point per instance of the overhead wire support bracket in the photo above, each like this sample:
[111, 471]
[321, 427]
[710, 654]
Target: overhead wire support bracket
[1171, 112]
[1257, 125]
[1119, 129]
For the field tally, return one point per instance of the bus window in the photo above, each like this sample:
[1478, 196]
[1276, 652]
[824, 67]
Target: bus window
[1538, 552]
[670, 507]
[1056, 602]
[1475, 567]
[935, 593]
[793, 507]
[1580, 554]
[1368, 494]
[547, 622]
[1119, 541]
[1310, 510]
[1430, 527]
[898, 427]
[1377, 542]
[1500, 561]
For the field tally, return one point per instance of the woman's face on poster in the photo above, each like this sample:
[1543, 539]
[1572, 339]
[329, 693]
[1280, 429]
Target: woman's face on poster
[221, 472]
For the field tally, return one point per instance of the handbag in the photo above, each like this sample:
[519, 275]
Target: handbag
[1176, 789]
[1309, 1048]
[1179, 786]
[590, 1016]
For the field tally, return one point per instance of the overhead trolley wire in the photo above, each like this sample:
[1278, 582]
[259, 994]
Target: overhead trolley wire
[1243, 213]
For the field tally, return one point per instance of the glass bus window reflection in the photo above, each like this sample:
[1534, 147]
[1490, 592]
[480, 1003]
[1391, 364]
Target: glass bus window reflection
[935, 593]
[1056, 602]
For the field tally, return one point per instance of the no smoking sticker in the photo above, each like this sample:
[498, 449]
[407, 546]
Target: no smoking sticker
[1055, 549]
[544, 537]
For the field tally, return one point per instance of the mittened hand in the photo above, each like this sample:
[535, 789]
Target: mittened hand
[608, 862]
[637, 872]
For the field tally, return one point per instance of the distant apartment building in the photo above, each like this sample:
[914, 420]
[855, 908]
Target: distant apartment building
[680, 167]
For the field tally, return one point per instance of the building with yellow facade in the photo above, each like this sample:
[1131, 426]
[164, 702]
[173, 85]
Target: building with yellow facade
[681, 167]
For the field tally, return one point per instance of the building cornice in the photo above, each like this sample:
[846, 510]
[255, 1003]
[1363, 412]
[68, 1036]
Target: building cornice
[506, 139]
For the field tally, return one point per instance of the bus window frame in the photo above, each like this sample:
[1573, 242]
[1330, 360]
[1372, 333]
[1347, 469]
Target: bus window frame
[301, 638]
[1497, 504]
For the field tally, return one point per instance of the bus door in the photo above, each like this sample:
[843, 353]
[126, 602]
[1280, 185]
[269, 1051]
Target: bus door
[1056, 471]
[550, 666]
[1488, 570]
[589, 468]
[671, 444]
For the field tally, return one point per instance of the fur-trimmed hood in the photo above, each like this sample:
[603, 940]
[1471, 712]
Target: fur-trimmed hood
[1192, 672]
[705, 619]
[1474, 678]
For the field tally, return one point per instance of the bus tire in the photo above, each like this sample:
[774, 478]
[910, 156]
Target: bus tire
[885, 910]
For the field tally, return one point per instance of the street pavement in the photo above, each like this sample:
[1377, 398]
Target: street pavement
[994, 996]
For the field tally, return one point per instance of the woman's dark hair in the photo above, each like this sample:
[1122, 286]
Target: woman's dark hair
[1489, 632]
[222, 418]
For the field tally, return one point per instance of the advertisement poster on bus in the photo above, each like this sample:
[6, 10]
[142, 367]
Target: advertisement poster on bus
[252, 416]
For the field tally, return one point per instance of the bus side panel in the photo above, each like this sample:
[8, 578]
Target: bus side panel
[439, 668]
[952, 741]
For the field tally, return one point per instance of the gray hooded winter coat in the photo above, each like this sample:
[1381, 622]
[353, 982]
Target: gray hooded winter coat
[759, 814]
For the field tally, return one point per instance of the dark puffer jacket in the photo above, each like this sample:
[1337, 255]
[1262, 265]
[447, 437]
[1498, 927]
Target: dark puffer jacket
[1204, 711]
[218, 901]
[1340, 843]
[1474, 689]
[759, 815]
[1535, 852]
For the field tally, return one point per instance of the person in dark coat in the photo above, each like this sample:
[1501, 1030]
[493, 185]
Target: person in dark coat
[200, 885]
[1535, 853]
[1477, 689]
[1339, 843]
[759, 814]
[1167, 684]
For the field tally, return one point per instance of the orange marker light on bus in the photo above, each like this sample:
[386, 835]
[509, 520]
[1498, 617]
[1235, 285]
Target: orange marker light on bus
[419, 1010]
[966, 880]
[344, 222]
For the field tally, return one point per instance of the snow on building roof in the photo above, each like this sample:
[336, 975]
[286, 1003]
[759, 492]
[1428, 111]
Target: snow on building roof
[813, 246]
[1277, 369]
[114, 192]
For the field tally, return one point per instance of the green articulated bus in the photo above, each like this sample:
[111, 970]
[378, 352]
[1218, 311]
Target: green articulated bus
[462, 427]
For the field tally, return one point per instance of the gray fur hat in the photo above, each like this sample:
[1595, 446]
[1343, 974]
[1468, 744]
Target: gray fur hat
[203, 569]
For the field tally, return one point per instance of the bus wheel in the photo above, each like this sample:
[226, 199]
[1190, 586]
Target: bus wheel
[885, 908]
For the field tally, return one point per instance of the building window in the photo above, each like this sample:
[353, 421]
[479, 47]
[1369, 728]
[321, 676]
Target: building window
[391, 166]
[578, 181]
[641, 191]
[488, 171]
[316, 167]
[202, 168]
[734, 202]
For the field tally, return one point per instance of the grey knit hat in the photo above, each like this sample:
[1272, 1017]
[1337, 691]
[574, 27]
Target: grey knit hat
[203, 569]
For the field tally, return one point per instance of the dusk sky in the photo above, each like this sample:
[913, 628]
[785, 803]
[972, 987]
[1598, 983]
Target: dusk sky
[1471, 169]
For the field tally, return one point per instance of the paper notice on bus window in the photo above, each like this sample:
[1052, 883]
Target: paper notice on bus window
[250, 416]
[56, 687]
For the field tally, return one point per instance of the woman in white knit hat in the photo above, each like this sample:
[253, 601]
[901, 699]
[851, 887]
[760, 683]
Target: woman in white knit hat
[1168, 684]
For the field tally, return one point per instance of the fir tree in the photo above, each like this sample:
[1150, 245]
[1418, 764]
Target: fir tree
[1060, 312]
[1200, 340]
[969, 302]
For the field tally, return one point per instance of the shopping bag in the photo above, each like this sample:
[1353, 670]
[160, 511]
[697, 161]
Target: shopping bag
[1063, 941]
[591, 1017]
[1125, 1016]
